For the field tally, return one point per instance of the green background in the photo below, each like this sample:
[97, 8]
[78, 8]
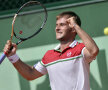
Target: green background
[94, 19]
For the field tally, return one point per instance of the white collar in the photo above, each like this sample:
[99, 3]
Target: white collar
[71, 45]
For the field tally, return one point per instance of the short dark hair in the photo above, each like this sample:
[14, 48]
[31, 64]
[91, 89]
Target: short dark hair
[70, 14]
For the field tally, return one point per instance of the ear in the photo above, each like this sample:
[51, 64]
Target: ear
[72, 30]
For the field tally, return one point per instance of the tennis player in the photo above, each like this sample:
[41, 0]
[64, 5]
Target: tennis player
[68, 63]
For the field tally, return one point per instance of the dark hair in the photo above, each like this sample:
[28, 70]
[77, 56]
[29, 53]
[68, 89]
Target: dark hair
[70, 14]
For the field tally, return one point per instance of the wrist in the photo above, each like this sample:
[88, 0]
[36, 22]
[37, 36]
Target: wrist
[77, 27]
[14, 58]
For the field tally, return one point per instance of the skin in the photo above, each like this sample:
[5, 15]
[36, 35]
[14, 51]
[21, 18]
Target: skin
[64, 33]
[66, 29]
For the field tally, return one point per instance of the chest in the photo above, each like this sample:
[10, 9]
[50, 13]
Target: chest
[68, 55]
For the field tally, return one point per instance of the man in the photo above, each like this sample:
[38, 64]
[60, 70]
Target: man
[68, 63]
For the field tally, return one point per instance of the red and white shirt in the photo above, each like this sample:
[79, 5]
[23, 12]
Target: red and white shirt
[68, 70]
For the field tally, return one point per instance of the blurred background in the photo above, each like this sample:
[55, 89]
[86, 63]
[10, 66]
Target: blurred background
[94, 17]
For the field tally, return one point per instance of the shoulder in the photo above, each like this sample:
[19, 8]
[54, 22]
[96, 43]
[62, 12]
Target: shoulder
[79, 47]
[48, 54]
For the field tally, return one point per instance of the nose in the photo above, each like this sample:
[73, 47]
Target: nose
[57, 28]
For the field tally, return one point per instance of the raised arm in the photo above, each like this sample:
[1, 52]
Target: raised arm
[91, 50]
[28, 72]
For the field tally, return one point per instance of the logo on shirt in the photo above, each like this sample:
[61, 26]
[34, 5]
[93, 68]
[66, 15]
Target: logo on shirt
[69, 54]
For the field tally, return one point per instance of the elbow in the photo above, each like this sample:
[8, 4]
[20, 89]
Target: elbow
[29, 79]
[95, 52]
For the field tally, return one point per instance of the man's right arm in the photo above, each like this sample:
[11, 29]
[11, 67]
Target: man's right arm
[28, 72]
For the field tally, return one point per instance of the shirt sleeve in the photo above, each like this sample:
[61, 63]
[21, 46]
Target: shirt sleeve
[82, 51]
[90, 60]
[40, 67]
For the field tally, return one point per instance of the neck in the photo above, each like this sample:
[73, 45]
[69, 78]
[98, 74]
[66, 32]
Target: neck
[65, 44]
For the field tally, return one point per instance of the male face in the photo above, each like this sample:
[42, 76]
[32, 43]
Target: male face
[63, 31]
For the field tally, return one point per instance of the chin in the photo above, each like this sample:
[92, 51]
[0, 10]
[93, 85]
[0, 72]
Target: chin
[57, 38]
[60, 39]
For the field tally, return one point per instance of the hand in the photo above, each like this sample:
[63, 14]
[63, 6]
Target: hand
[7, 47]
[72, 22]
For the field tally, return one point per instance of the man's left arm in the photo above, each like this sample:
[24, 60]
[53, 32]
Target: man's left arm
[91, 49]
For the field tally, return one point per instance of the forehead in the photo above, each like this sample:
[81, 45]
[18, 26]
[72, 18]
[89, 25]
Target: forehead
[61, 20]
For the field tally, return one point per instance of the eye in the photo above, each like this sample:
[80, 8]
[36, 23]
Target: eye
[62, 24]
